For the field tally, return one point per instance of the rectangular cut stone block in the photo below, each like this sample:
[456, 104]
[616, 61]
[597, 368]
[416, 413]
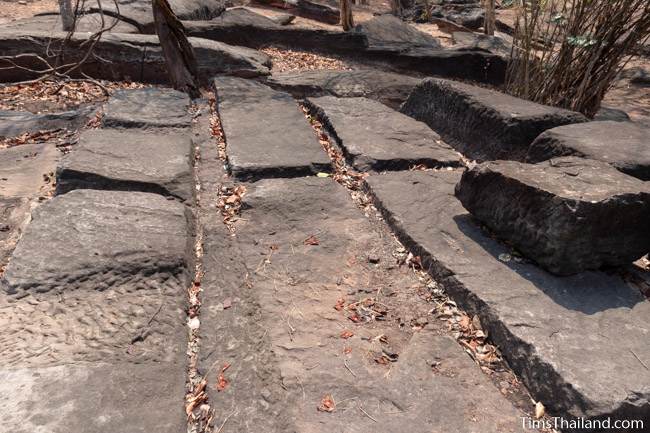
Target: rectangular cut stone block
[386, 87]
[267, 310]
[92, 316]
[579, 343]
[624, 145]
[147, 108]
[129, 160]
[375, 137]
[483, 124]
[266, 133]
[568, 214]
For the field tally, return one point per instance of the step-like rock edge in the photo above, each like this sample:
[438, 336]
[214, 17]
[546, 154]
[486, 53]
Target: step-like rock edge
[474, 65]
[482, 123]
[368, 162]
[132, 57]
[541, 378]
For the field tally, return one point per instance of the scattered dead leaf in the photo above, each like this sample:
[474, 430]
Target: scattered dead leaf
[222, 383]
[289, 60]
[347, 334]
[327, 404]
[311, 240]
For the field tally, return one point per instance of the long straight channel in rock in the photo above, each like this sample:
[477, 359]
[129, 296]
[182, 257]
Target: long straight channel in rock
[579, 343]
[308, 325]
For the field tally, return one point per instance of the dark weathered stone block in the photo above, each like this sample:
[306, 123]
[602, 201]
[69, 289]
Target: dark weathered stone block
[567, 214]
[624, 145]
[129, 160]
[375, 137]
[483, 124]
[122, 56]
[386, 87]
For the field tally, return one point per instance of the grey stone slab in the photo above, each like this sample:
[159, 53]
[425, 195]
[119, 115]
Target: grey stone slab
[387, 87]
[579, 343]
[568, 214]
[242, 27]
[626, 146]
[478, 41]
[139, 13]
[93, 398]
[129, 160]
[390, 33]
[122, 56]
[147, 108]
[267, 310]
[481, 123]
[92, 316]
[266, 132]
[375, 137]
[13, 123]
[98, 237]
[611, 113]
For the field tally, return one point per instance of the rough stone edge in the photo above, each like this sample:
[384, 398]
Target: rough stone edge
[464, 101]
[364, 163]
[539, 376]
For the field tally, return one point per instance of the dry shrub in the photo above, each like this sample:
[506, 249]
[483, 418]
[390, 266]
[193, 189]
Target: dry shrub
[567, 53]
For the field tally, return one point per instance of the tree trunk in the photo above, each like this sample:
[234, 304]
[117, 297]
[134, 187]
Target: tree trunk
[179, 54]
[396, 8]
[67, 15]
[490, 19]
[347, 21]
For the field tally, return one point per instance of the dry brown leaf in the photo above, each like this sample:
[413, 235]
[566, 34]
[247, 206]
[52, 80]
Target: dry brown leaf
[311, 240]
[222, 383]
[327, 404]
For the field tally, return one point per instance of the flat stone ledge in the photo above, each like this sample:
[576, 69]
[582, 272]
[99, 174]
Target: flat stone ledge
[243, 27]
[483, 124]
[568, 214]
[14, 123]
[122, 56]
[375, 137]
[92, 315]
[240, 26]
[390, 33]
[91, 235]
[266, 132]
[579, 343]
[147, 108]
[129, 160]
[624, 145]
[386, 87]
